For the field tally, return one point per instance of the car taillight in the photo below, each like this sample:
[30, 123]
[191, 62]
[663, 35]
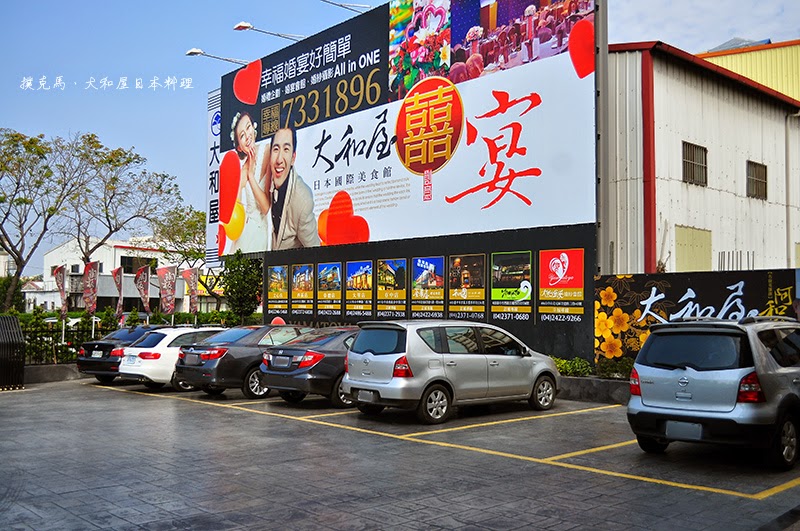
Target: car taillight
[309, 359]
[81, 352]
[118, 352]
[750, 389]
[150, 355]
[267, 357]
[401, 369]
[636, 390]
[181, 355]
[213, 354]
[345, 363]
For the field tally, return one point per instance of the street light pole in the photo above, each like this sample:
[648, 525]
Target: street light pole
[243, 26]
[350, 7]
[197, 51]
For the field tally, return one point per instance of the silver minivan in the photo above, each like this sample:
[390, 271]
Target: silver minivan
[716, 381]
[434, 366]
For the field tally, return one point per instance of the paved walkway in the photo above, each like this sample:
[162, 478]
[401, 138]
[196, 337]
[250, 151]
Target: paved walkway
[78, 455]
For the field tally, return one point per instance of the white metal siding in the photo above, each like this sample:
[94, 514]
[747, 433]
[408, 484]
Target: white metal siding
[622, 215]
[735, 125]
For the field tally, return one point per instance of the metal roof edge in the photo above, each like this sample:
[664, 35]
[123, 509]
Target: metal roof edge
[677, 53]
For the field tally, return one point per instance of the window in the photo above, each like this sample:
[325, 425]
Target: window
[278, 336]
[461, 340]
[75, 268]
[431, 338]
[711, 351]
[695, 168]
[783, 345]
[131, 264]
[497, 342]
[756, 180]
[149, 340]
[380, 341]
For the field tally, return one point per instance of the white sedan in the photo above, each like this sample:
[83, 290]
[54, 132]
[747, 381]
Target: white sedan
[151, 359]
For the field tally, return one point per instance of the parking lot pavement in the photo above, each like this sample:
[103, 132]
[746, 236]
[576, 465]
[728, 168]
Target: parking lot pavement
[79, 455]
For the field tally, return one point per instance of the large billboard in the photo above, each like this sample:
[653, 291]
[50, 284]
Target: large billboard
[414, 119]
[421, 160]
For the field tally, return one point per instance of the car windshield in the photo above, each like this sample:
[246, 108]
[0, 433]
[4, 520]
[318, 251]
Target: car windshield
[148, 340]
[317, 337]
[127, 334]
[229, 336]
[697, 350]
[380, 341]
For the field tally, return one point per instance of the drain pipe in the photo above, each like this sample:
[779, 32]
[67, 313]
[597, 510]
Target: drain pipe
[789, 232]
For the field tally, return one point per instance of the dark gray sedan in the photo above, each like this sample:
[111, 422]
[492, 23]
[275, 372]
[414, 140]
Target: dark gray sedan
[310, 364]
[230, 359]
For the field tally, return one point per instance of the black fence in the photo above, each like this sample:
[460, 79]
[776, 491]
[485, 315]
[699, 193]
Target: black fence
[12, 354]
[51, 345]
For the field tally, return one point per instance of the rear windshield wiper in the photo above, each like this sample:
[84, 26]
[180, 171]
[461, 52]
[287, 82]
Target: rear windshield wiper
[664, 365]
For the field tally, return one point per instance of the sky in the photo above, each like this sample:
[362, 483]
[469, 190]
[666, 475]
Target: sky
[85, 42]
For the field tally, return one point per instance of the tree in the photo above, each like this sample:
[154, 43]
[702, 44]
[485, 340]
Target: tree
[242, 279]
[181, 236]
[37, 178]
[17, 300]
[122, 196]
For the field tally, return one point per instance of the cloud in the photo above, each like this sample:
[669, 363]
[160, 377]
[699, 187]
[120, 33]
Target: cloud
[699, 25]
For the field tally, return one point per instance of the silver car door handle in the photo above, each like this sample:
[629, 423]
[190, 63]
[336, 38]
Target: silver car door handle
[796, 381]
[451, 364]
[494, 363]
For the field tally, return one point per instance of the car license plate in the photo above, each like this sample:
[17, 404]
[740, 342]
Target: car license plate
[192, 359]
[366, 396]
[687, 431]
[281, 361]
[130, 360]
[97, 353]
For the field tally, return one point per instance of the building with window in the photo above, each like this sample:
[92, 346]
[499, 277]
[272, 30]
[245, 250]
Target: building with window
[130, 255]
[703, 167]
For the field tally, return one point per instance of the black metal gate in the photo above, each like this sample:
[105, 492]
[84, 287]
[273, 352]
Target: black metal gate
[12, 354]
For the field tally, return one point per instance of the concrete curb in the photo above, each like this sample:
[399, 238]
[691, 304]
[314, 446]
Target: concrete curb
[592, 389]
[52, 373]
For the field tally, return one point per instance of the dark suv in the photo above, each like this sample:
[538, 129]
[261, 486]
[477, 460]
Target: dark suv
[717, 381]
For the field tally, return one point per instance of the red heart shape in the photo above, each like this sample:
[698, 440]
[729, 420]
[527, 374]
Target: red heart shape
[581, 47]
[338, 225]
[230, 171]
[221, 239]
[246, 83]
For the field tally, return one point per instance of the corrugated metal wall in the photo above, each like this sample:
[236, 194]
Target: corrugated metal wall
[735, 125]
[621, 231]
[777, 68]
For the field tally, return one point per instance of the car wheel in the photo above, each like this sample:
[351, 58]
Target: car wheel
[338, 398]
[153, 385]
[104, 378]
[651, 445]
[252, 387]
[292, 397]
[370, 409]
[213, 391]
[544, 393]
[783, 452]
[180, 385]
[435, 406]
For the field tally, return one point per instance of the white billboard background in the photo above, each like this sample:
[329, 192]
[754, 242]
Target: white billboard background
[558, 135]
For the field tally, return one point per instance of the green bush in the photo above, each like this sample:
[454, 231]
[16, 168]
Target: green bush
[616, 368]
[573, 367]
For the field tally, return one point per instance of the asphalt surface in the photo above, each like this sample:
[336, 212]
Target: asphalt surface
[80, 455]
